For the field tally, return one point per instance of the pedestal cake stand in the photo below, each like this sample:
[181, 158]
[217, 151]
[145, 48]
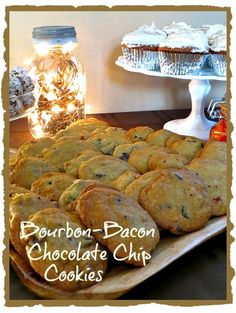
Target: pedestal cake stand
[196, 124]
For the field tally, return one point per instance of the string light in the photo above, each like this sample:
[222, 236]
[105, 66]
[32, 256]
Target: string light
[61, 89]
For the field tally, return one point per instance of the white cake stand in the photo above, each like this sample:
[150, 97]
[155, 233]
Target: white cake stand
[196, 124]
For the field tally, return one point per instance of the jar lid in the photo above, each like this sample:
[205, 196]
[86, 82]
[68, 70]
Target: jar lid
[54, 34]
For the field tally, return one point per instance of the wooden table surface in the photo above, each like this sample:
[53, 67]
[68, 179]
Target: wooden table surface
[199, 275]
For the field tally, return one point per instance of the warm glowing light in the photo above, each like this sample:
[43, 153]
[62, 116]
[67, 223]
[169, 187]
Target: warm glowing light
[60, 89]
[34, 117]
[56, 109]
[70, 107]
[37, 131]
[51, 96]
[46, 117]
[68, 47]
[42, 48]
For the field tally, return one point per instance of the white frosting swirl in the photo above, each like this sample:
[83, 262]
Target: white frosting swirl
[215, 30]
[195, 40]
[203, 28]
[218, 43]
[176, 27]
[144, 35]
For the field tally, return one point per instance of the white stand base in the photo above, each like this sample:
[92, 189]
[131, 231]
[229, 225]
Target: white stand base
[191, 127]
[196, 124]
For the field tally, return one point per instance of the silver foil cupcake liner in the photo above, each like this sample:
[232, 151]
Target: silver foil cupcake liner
[138, 58]
[218, 63]
[181, 63]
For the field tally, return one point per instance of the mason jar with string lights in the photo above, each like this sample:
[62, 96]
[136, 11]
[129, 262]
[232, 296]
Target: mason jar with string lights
[60, 80]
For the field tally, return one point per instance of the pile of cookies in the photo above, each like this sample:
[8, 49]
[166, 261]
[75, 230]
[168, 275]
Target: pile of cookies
[90, 173]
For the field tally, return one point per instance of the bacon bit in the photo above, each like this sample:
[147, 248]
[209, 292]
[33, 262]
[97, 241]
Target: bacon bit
[217, 199]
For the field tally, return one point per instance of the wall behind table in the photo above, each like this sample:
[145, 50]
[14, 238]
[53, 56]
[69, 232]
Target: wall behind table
[110, 88]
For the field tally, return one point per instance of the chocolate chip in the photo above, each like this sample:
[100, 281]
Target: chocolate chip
[100, 175]
[49, 183]
[125, 156]
[217, 199]
[166, 206]
[184, 212]
[179, 176]
[179, 230]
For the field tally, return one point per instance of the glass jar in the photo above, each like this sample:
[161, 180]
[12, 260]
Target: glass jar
[219, 130]
[60, 80]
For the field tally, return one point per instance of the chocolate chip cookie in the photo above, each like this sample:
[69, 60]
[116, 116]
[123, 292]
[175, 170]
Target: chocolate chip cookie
[35, 148]
[21, 207]
[72, 167]
[52, 185]
[189, 147]
[135, 187]
[66, 150]
[122, 181]
[123, 151]
[167, 160]
[107, 143]
[100, 205]
[70, 195]
[28, 169]
[178, 201]
[15, 189]
[103, 168]
[139, 158]
[159, 137]
[214, 173]
[215, 150]
[139, 133]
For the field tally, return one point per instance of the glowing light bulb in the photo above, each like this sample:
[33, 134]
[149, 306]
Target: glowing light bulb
[51, 96]
[69, 46]
[56, 109]
[70, 107]
[37, 131]
[42, 48]
[46, 117]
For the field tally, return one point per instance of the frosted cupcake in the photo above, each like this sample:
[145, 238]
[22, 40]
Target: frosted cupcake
[183, 53]
[140, 47]
[218, 54]
[176, 28]
[214, 30]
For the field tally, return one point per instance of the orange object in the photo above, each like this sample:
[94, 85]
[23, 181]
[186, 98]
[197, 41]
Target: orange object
[219, 130]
